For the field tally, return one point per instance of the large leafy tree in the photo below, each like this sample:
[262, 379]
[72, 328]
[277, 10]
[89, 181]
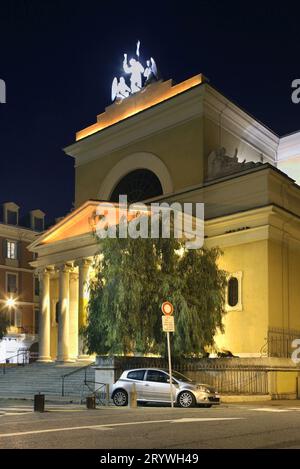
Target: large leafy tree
[132, 279]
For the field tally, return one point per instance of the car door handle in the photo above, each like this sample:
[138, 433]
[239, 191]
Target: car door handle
[146, 384]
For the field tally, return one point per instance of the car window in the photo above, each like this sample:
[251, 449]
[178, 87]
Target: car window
[181, 377]
[157, 376]
[136, 374]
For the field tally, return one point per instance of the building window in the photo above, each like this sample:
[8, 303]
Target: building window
[38, 224]
[234, 292]
[140, 184]
[57, 312]
[8, 316]
[11, 283]
[12, 217]
[18, 318]
[36, 286]
[11, 249]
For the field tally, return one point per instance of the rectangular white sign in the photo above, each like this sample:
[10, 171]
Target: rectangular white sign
[168, 323]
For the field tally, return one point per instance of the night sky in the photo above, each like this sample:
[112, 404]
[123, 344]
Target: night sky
[58, 59]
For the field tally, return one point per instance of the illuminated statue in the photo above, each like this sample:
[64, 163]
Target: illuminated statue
[136, 69]
[150, 72]
[119, 90]
[138, 74]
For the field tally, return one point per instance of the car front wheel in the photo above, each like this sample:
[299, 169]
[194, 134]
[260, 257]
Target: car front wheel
[186, 399]
[120, 398]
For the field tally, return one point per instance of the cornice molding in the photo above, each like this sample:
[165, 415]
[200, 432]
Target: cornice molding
[195, 102]
[157, 119]
[240, 124]
[17, 232]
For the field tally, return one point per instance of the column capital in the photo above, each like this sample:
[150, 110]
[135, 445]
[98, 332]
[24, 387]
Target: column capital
[44, 271]
[66, 268]
[84, 262]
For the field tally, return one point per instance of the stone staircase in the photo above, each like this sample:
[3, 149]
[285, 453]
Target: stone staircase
[46, 378]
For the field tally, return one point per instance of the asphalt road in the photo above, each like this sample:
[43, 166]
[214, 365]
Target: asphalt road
[257, 425]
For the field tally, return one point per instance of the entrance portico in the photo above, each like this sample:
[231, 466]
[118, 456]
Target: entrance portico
[64, 264]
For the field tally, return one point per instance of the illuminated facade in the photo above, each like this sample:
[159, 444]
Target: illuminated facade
[185, 143]
[19, 286]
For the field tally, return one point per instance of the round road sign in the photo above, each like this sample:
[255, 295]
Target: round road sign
[167, 308]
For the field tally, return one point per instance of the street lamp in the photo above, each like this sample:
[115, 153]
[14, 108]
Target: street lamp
[10, 302]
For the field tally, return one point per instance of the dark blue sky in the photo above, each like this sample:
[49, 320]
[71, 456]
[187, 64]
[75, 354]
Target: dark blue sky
[58, 59]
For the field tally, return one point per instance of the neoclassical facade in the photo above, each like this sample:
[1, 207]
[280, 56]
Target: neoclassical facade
[184, 143]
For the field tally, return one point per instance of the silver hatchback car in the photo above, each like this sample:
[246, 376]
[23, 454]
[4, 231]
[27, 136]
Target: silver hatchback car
[153, 385]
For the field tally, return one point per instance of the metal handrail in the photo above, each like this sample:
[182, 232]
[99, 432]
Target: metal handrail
[24, 353]
[96, 391]
[63, 377]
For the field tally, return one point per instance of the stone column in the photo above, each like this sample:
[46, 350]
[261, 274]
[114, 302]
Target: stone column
[44, 317]
[83, 296]
[64, 314]
[73, 341]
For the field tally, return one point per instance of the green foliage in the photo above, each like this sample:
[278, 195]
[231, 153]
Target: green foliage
[132, 279]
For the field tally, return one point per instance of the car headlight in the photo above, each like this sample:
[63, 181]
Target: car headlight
[202, 388]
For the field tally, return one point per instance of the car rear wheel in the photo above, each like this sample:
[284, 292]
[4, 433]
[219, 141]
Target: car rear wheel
[120, 398]
[186, 399]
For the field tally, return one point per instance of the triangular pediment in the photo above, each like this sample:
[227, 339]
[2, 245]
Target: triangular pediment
[81, 222]
[75, 224]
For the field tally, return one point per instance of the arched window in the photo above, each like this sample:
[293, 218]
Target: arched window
[233, 292]
[138, 185]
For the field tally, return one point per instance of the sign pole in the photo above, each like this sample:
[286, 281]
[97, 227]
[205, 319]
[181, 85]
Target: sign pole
[170, 369]
[168, 326]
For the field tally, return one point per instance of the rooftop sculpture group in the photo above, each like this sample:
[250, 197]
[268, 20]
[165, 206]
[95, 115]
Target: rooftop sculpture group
[140, 76]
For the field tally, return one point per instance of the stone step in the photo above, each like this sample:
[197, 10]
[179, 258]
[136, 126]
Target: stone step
[46, 378]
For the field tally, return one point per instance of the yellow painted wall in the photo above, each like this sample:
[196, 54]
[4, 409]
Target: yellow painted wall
[246, 330]
[283, 384]
[216, 137]
[284, 276]
[180, 148]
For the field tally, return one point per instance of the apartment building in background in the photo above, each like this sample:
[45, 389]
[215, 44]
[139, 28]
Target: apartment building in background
[19, 286]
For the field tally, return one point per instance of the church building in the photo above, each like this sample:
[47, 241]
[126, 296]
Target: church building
[184, 142]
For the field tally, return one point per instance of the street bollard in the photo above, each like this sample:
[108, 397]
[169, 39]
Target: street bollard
[132, 397]
[107, 394]
[39, 403]
[91, 402]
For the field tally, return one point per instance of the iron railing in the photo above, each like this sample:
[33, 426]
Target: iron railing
[99, 390]
[227, 375]
[73, 372]
[22, 358]
[279, 342]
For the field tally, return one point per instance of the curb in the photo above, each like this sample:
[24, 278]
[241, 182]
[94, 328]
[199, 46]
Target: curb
[245, 398]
